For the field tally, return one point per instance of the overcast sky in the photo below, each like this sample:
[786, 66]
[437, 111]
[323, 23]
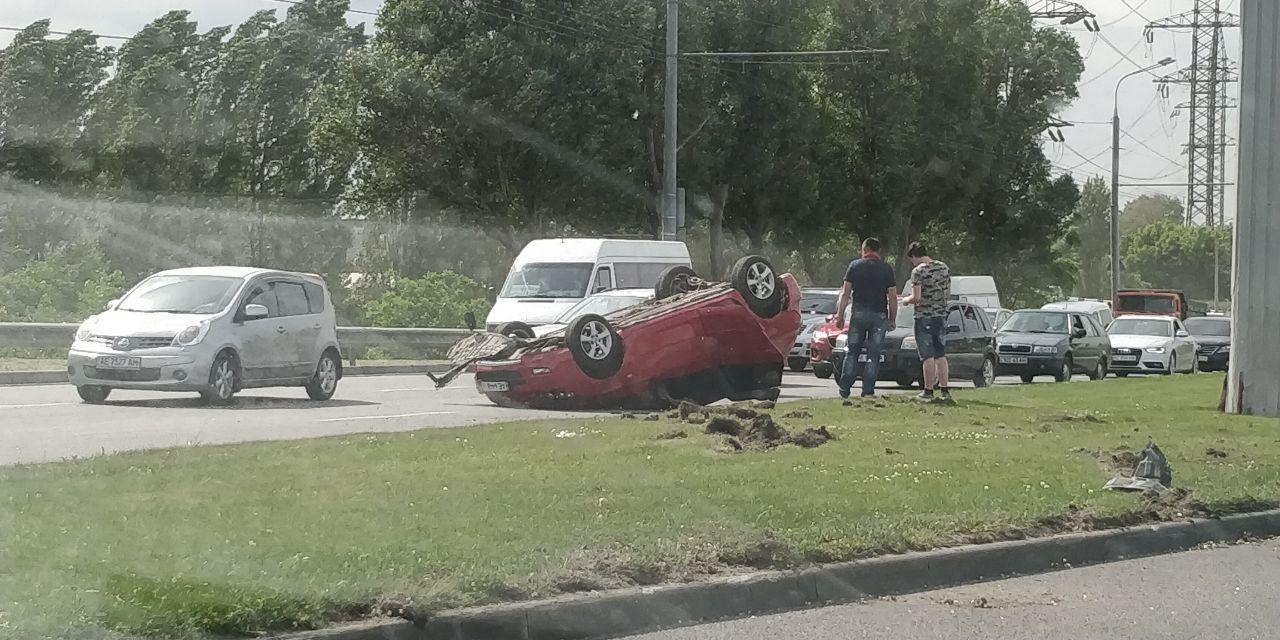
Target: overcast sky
[1154, 153]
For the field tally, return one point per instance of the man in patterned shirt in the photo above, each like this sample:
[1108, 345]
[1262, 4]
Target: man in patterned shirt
[931, 291]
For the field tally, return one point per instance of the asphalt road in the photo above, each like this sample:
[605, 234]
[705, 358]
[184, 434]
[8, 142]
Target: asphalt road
[1198, 595]
[41, 423]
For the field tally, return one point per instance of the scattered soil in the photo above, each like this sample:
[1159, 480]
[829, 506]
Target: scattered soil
[674, 434]
[724, 425]
[628, 416]
[810, 438]
[798, 414]
[1079, 416]
[1175, 504]
[1118, 461]
[764, 433]
[892, 452]
[728, 444]
[764, 404]
[1215, 453]
[687, 409]
[696, 418]
[653, 417]
[739, 410]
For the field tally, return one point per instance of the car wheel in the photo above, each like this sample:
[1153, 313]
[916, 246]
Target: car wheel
[1099, 371]
[93, 394]
[823, 370]
[986, 375]
[224, 376]
[906, 382]
[798, 365]
[516, 330]
[595, 345]
[755, 279]
[675, 281]
[324, 382]
[1064, 374]
[1027, 378]
[1122, 374]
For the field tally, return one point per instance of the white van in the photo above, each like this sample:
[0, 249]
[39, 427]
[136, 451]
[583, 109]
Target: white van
[1101, 311]
[550, 276]
[979, 291]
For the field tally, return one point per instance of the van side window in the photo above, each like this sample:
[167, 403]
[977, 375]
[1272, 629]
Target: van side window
[315, 297]
[265, 295]
[604, 280]
[292, 299]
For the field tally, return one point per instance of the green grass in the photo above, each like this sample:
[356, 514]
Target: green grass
[247, 538]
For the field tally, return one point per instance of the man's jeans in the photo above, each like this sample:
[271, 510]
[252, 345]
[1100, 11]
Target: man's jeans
[866, 329]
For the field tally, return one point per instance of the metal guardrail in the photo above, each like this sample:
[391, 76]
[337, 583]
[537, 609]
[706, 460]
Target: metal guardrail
[357, 342]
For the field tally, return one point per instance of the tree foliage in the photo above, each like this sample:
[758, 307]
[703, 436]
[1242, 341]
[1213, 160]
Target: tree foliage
[69, 285]
[1170, 255]
[439, 299]
[1149, 209]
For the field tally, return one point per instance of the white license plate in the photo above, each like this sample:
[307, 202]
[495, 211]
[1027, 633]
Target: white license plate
[118, 362]
[1204, 358]
[1126, 358]
[1013, 359]
[487, 387]
[862, 357]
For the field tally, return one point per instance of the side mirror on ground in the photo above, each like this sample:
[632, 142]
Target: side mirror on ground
[953, 328]
[255, 312]
[112, 304]
[470, 319]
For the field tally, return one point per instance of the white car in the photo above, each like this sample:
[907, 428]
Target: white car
[1151, 344]
[602, 303]
[214, 331]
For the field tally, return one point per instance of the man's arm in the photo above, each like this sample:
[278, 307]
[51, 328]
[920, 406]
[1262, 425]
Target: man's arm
[893, 306]
[844, 302]
[915, 297]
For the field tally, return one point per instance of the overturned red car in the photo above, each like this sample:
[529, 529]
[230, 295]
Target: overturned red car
[696, 340]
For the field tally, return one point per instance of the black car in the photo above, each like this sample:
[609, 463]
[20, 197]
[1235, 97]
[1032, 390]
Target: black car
[1054, 343]
[969, 348]
[1213, 336]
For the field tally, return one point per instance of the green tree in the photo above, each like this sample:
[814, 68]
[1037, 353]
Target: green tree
[1093, 234]
[1169, 255]
[1149, 209]
[438, 299]
[68, 286]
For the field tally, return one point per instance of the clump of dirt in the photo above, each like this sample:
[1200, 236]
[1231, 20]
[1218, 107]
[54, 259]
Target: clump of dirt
[764, 433]
[767, 553]
[798, 414]
[1175, 504]
[811, 438]
[628, 416]
[674, 434]
[1215, 453]
[764, 404]
[892, 452]
[1118, 461]
[696, 418]
[1079, 416]
[739, 410]
[723, 425]
[687, 409]
[728, 444]
[653, 417]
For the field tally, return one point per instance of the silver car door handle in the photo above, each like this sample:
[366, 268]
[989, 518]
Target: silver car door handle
[281, 330]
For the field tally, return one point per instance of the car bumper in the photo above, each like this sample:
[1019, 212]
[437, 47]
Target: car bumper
[169, 369]
[1147, 364]
[894, 364]
[1011, 364]
[1215, 361]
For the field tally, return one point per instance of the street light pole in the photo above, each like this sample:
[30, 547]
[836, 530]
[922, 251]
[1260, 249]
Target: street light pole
[1115, 176]
[670, 195]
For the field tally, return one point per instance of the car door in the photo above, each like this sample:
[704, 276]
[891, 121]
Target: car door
[959, 356]
[301, 330]
[1184, 345]
[260, 339]
[981, 333]
[1085, 349]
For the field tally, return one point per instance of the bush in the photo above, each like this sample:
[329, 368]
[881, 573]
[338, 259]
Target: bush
[68, 286]
[439, 299]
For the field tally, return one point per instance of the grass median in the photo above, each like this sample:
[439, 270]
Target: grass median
[272, 536]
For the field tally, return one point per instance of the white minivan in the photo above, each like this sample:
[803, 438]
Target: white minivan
[550, 276]
[214, 331]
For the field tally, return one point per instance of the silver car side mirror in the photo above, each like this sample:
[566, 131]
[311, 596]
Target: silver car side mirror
[255, 312]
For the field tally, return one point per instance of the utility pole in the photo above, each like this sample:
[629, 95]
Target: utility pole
[670, 184]
[1067, 12]
[1254, 382]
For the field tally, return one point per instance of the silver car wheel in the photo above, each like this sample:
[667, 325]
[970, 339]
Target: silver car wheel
[224, 380]
[760, 281]
[328, 375]
[597, 340]
[988, 372]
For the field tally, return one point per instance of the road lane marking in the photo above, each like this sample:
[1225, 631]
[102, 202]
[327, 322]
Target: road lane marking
[33, 406]
[399, 415]
[425, 390]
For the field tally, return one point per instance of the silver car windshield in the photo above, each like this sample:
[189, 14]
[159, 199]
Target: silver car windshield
[181, 294]
[1141, 327]
[1036, 322]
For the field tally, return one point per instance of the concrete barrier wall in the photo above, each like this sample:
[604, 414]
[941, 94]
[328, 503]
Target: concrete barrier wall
[357, 342]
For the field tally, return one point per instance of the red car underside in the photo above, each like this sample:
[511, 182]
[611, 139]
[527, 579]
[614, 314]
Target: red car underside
[703, 346]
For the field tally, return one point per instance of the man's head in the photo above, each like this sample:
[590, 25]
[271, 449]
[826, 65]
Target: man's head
[871, 245]
[918, 253]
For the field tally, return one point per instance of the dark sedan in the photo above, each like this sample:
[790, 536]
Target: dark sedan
[1213, 336]
[969, 348]
[1054, 343]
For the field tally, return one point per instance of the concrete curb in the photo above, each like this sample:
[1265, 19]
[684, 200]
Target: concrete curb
[644, 609]
[14, 378]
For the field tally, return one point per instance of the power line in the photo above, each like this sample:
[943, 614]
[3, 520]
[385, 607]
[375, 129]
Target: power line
[1132, 10]
[1149, 148]
[66, 33]
[1124, 54]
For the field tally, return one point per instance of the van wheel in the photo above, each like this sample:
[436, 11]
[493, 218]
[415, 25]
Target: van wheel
[324, 382]
[224, 377]
[93, 394]
[758, 283]
[516, 330]
[595, 345]
[675, 281]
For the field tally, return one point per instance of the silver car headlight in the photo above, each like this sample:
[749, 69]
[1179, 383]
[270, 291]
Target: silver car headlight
[86, 329]
[1044, 349]
[191, 335]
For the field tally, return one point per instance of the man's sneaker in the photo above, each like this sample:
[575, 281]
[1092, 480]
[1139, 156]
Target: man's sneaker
[946, 394]
[848, 402]
[926, 395]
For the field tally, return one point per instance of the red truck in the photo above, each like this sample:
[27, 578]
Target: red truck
[1153, 302]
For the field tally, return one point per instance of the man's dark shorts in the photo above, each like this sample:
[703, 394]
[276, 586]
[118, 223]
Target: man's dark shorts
[929, 338]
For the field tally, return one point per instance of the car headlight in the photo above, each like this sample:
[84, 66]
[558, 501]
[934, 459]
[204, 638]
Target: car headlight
[1040, 348]
[191, 335]
[842, 341]
[909, 342]
[1155, 349]
[86, 329]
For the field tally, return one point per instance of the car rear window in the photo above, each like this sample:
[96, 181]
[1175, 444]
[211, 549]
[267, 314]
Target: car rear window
[315, 297]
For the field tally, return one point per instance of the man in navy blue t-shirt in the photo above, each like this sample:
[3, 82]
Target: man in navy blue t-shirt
[870, 287]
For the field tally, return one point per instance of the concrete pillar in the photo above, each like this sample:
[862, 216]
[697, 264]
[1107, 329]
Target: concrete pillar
[1254, 383]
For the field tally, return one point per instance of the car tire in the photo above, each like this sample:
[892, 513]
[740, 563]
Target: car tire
[517, 329]
[595, 345]
[823, 370]
[986, 375]
[906, 382]
[224, 378]
[324, 382]
[1027, 378]
[1099, 371]
[798, 365]
[1122, 374]
[93, 394]
[1064, 373]
[676, 281]
[758, 283]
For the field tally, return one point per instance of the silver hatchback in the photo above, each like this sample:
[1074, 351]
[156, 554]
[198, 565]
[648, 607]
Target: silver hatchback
[214, 331]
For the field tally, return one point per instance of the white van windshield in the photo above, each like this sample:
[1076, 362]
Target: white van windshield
[181, 294]
[549, 280]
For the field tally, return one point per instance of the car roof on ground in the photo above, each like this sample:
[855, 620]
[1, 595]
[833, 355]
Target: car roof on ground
[228, 272]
